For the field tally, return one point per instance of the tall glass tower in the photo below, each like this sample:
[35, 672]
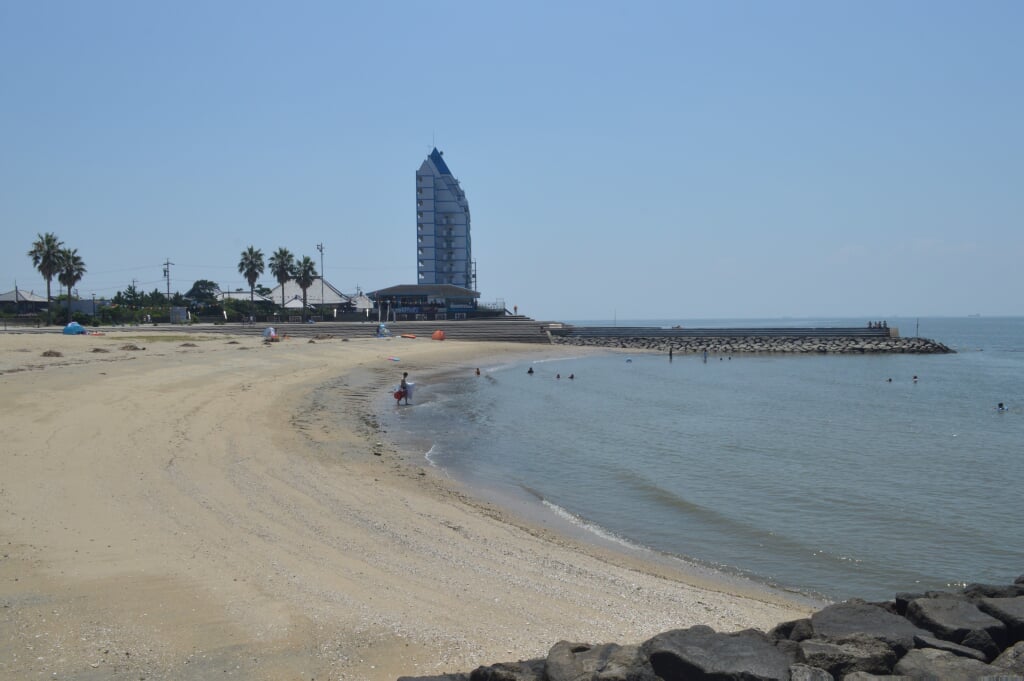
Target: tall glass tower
[444, 253]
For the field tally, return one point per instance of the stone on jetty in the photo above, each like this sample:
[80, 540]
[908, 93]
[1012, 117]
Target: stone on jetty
[831, 345]
[975, 633]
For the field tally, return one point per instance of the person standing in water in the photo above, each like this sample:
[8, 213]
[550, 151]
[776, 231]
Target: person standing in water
[404, 386]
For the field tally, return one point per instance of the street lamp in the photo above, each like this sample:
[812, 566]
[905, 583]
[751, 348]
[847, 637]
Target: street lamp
[320, 247]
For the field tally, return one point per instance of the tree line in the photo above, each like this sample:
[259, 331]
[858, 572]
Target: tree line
[53, 259]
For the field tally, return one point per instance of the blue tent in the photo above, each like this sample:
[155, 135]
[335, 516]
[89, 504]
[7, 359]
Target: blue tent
[74, 329]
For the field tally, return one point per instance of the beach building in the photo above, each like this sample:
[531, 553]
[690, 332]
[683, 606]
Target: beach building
[425, 302]
[444, 253]
[20, 301]
[321, 296]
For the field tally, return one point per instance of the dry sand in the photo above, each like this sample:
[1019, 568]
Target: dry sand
[186, 510]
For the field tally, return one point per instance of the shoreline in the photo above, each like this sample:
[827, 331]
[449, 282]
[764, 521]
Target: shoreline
[187, 509]
[532, 510]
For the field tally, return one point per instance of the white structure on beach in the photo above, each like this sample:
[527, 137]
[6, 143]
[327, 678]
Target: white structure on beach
[444, 253]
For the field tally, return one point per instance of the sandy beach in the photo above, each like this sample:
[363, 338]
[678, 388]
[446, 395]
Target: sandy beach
[179, 506]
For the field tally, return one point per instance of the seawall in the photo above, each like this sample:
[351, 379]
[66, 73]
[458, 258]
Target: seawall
[752, 340]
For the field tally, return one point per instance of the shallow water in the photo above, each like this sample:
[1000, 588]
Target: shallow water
[808, 472]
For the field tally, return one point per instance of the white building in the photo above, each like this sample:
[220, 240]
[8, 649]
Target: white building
[444, 253]
[321, 294]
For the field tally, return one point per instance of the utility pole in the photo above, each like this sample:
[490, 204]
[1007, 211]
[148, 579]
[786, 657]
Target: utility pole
[167, 276]
[320, 247]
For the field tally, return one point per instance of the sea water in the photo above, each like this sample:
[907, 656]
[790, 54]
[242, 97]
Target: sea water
[814, 472]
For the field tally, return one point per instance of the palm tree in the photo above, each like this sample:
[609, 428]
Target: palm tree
[282, 264]
[304, 274]
[251, 267]
[45, 256]
[72, 269]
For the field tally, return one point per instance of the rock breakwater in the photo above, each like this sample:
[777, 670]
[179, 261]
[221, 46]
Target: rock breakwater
[974, 633]
[731, 345]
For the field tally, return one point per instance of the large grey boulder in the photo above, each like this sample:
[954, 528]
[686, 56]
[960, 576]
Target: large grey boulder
[993, 590]
[930, 663]
[903, 599]
[950, 647]
[794, 630]
[609, 662]
[526, 670]
[980, 640]
[1009, 611]
[852, 617]
[858, 653]
[805, 672]
[699, 652]
[953, 618]
[1012, 659]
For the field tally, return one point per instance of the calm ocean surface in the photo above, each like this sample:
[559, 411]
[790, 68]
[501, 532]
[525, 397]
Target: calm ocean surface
[811, 472]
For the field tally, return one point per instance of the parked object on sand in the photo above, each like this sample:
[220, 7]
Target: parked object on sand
[438, 335]
[74, 329]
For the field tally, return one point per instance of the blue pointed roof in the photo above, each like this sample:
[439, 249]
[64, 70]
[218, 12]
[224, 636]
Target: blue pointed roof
[442, 167]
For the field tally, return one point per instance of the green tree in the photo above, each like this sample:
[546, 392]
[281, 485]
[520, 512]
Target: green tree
[203, 292]
[45, 256]
[156, 299]
[70, 272]
[251, 267]
[305, 273]
[130, 297]
[282, 266]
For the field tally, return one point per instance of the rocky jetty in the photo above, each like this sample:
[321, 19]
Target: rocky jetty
[975, 633]
[731, 345]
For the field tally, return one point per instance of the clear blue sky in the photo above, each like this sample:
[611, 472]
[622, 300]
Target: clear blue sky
[635, 160]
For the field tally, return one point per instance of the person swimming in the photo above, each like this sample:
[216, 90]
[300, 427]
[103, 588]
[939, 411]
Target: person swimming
[1000, 407]
[530, 371]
